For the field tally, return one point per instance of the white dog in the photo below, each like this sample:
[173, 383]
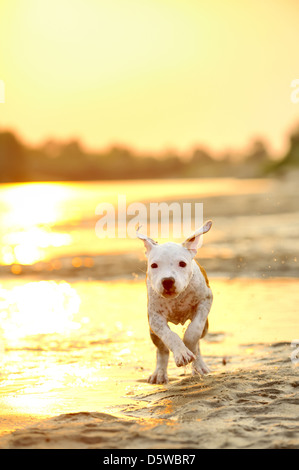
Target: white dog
[178, 290]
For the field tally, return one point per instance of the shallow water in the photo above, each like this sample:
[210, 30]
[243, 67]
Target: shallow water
[84, 346]
[41, 221]
[71, 343]
[50, 227]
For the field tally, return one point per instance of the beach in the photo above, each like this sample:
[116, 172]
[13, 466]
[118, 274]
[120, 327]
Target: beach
[75, 346]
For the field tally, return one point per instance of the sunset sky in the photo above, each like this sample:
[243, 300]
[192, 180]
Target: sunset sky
[150, 74]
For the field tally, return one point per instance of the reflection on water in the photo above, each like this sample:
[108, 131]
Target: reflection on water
[85, 346]
[28, 245]
[37, 308]
[31, 204]
[28, 213]
[45, 220]
[70, 346]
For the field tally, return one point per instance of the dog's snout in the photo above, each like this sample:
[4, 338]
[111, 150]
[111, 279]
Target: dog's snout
[168, 282]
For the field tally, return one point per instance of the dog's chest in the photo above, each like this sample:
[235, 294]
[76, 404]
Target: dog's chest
[183, 309]
[177, 316]
[178, 310]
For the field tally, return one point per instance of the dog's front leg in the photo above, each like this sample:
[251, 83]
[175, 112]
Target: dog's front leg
[194, 333]
[159, 376]
[158, 325]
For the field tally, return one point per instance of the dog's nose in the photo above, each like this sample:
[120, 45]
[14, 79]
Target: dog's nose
[168, 282]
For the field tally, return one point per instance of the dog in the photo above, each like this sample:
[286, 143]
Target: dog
[178, 290]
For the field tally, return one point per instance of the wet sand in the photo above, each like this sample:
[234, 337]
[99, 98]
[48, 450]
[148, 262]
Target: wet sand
[100, 397]
[246, 408]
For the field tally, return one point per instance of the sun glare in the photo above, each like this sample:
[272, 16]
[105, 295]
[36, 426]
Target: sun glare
[33, 203]
[28, 246]
[28, 213]
[37, 308]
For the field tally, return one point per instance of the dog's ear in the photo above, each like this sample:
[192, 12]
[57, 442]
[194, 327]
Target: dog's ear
[148, 242]
[191, 243]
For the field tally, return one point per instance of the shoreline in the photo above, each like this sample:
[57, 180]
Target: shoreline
[133, 266]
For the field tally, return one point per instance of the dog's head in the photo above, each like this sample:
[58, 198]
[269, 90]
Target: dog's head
[170, 264]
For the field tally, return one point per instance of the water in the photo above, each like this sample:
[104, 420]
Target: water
[71, 345]
[85, 346]
[42, 221]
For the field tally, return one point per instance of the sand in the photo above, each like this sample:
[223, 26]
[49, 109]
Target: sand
[246, 408]
[250, 399]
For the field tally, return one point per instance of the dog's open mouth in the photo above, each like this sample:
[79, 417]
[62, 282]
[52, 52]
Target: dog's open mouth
[168, 293]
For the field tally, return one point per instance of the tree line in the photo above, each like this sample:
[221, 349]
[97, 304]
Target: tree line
[69, 161]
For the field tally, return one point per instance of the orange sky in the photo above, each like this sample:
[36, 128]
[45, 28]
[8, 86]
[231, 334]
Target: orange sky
[150, 73]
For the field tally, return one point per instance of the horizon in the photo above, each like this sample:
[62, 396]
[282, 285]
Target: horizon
[235, 155]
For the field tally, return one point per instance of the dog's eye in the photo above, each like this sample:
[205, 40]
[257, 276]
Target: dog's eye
[182, 264]
[154, 265]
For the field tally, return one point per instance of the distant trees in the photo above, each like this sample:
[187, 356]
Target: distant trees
[12, 159]
[69, 161]
[292, 156]
[258, 152]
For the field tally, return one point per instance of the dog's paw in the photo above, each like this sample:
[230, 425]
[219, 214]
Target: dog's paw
[183, 357]
[158, 377]
[199, 367]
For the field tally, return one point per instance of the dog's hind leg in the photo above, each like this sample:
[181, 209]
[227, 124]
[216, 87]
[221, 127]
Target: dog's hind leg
[199, 366]
[159, 376]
